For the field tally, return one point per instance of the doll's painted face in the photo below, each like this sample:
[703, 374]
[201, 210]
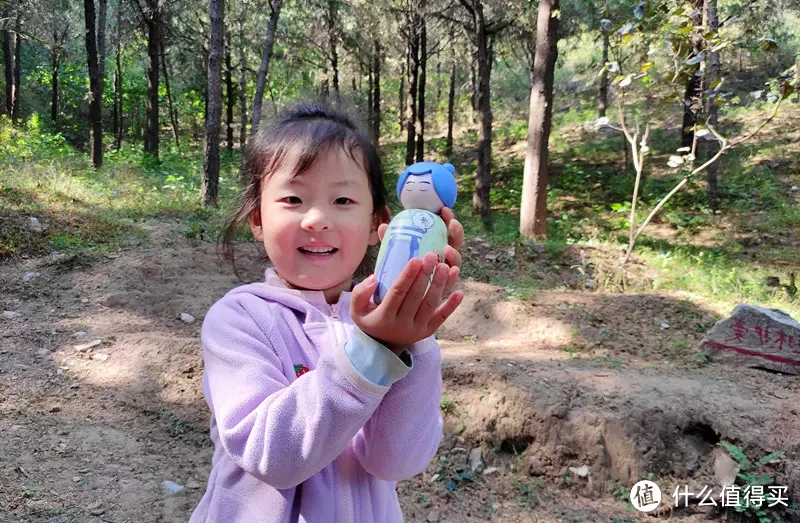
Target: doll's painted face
[418, 193]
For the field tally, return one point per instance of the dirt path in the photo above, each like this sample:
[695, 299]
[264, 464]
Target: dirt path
[563, 380]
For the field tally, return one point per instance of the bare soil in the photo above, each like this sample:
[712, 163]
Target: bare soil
[564, 379]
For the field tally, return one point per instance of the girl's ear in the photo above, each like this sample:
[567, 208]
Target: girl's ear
[255, 225]
[382, 216]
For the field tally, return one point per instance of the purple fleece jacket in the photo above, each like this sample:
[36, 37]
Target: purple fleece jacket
[299, 433]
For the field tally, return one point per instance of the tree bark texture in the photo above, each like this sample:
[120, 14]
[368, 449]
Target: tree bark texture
[8, 66]
[376, 97]
[401, 113]
[711, 21]
[483, 179]
[210, 184]
[102, 10]
[602, 94]
[153, 22]
[95, 87]
[411, 97]
[533, 213]
[173, 112]
[229, 95]
[451, 99]
[333, 36]
[423, 64]
[261, 79]
[16, 93]
[118, 114]
[242, 87]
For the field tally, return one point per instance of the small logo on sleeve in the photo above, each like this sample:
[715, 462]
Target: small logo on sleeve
[300, 369]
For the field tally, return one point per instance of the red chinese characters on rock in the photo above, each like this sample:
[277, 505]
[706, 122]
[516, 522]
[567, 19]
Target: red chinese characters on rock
[780, 339]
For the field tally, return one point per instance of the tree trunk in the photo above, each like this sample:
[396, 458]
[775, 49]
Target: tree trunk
[261, 79]
[173, 112]
[118, 114]
[376, 96]
[16, 93]
[95, 87]
[369, 97]
[451, 99]
[8, 62]
[102, 9]
[711, 20]
[483, 179]
[401, 114]
[473, 99]
[211, 156]
[229, 95]
[693, 83]
[332, 38]
[602, 95]
[242, 88]
[423, 64]
[533, 213]
[55, 64]
[411, 98]
[153, 21]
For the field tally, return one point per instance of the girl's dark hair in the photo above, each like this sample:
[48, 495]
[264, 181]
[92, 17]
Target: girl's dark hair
[300, 134]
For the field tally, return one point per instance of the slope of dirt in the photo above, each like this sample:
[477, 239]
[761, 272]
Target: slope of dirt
[566, 379]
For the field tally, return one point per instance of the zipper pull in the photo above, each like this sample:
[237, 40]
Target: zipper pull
[334, 311]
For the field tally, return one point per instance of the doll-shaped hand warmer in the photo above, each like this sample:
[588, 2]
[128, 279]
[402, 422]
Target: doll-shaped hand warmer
[423, 189]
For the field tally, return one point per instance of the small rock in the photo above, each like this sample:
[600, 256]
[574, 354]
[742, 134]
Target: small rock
[458, 450]
[79, 334]
[21, 366]
[35, 225]
[193, 484]
[491, 470]
[536, 468]
[59, 372]
[30, 276]
[664, 325]
[187, 318]
[795, 188]
[85, 300]
[581, 471]
[434, 478]
[433, 516]
[76, 479]
[511, 252]
[87, 346]
[95, 509]
[42, 352]
[475, 459]
[173, 488]
[100, 356]
[10, 314]
[590, 284]
[725, 469]
[55, 409]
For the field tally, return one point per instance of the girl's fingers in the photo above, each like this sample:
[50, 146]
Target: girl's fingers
[362, 293]
[445, 310]
[415, 295]
[434, 294]
[455, 231]
[452, 277]
[397, 292]
[452, 256]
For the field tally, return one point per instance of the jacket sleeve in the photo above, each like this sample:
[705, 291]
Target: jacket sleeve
[404, 433]
[281, 432]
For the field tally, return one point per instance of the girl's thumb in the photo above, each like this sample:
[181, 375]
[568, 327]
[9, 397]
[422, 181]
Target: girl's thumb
[362, 294]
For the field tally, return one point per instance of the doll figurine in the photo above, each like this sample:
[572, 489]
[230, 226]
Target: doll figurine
[423, 189]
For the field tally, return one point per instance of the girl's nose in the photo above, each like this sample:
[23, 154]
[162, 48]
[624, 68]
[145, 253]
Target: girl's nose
[315, 220]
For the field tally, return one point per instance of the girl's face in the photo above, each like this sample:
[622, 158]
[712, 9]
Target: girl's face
[316, 227]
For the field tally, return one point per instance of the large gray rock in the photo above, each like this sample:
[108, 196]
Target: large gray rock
[754, 336]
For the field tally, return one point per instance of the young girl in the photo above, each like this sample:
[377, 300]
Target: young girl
[320, 400]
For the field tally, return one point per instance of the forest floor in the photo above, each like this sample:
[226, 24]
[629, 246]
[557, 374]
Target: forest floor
[568, 389]
[561, 379]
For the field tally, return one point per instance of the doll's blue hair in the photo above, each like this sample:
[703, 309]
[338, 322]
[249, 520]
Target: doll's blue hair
[442, 176]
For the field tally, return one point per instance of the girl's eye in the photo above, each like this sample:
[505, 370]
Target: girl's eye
[343, 201]
[293, 200]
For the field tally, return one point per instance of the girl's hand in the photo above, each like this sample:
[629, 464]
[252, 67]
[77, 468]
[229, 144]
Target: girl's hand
[408, 313]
